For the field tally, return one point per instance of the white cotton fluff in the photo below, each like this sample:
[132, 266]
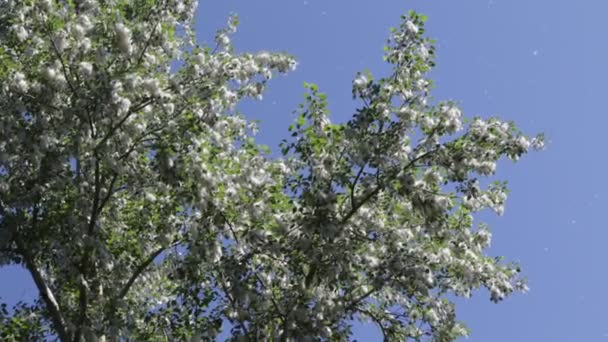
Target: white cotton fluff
[123, 34]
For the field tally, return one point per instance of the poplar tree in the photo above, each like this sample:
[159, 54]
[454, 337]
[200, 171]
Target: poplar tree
[138, 200]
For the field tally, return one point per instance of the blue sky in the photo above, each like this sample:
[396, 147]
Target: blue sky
[540, 63]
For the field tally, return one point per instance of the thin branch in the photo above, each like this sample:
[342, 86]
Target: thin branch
[233, 303]
[361, 298]
[96, 193]
[109, 194]
[364, 200]
[84, 265]
[374, 192]
[337, 165]
[354, 185]
[272, 299]
[63, 67]
[131, 111]
[113, 311]
[147, 44]
[376, 320]
[236, 238]
[141, 268]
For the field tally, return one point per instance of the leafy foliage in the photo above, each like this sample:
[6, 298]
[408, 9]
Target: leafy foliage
[144, 210]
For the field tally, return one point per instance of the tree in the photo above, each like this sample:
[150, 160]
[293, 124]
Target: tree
[139, 201]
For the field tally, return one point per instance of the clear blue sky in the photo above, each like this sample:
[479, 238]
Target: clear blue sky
[541, 63]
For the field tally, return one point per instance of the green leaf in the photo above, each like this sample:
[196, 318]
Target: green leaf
[301, 120]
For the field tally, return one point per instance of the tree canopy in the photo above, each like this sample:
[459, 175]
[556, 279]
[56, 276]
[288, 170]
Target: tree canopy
[136, 196]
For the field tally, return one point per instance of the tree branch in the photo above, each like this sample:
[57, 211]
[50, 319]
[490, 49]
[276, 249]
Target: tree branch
[113, 129]
[375, 191]
[376, 320]
[141, 268]
[147, 44]
[86, 259]
[354, 185]
[59, 322]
